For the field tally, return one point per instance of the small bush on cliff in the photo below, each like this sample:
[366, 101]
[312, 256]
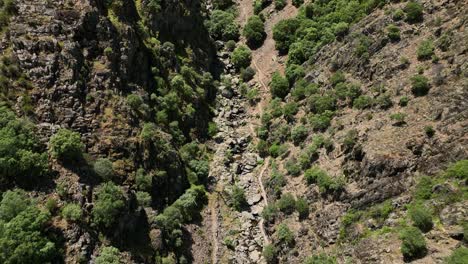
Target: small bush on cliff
[103, 168]
[393, 32]
[414, 12]
[247, 74]
[285, 235]
[284, 32]
[286, 204]
[320, 259]
[280, 4]
[66, 145]
[270, 253]
[302, 207]
[425, 50]
[421, 217]
[458, 170]
[419, 85]
[241, 57]
[413, 244]
[109, 255]
[72, 212]
[459, 256]
[237, 197]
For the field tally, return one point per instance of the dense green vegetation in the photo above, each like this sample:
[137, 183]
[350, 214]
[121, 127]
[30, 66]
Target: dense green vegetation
[23, 236]
[66, 145]
[23, 160]
[254, 31]
[222, 25]
[413, 244]
[241, 57]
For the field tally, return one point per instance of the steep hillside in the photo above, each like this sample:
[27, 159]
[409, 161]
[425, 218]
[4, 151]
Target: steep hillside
[164, 131]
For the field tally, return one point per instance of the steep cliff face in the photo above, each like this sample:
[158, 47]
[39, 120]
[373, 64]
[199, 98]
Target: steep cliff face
[134, 80]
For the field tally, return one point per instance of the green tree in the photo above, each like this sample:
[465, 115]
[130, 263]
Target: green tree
[222, 26]
[320, 259]
[23, 232]
[414, 12]
[241, 57]
[270, 253]
[287, 203]
[280, 4]
[23, 160]
[134, 101]
[458, 256]
[279, 86]
[237, 197]
[254, 31]
[413, 244]
[425, 50]
[421, 217]
[66, 145]
[284, 234]
[72, 212]
[103, 168]
[284, 32]
[419, 85]
[302, 207]
[393, 32]
[458, 170]
[108, 255]
[109, 204]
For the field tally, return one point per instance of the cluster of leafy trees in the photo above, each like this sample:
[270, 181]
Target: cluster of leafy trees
[254, 31]
[23, 231]
[23, 159]
[321, 22]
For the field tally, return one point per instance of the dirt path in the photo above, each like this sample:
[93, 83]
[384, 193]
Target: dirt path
[214, 227]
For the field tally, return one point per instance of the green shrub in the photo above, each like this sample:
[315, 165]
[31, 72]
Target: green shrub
[276, 150]
[384, 101]
[423, 189]
[287, 203]
[325, 183]
[222, 26]
[425, 50]
[398, 15]
[134, 101]
[241, 57]
[337, 77]
[285, 235]
[292, 167]
[362, 47]
[24, 235]
[403, 101]
[350, 139]
[66, 145]
[458, 170]
[279, 86]
[294, 73]
[103, 168]
[444, 42]
[419, 85]
[320, 122]
[421, 217]
[143, 181]
[302, 207]
[321, 103]
[280, 4]
[108, 255]
[413, 244]
[23, 159]
[458, 256]
[108, 205]
[363, 102]
[269, 212]
[51, 205]
[254, 31]
[143, 198]
[237, 198]
[212, 129]
[247, 74]
[299, 134]
[270, 253]
[72, 212]
[284, 32]
[393, 32]
[320, 259]
[340, 29]
[290, 110]
[429, 131]
[230, 45]
[398, 118]
[414, 12]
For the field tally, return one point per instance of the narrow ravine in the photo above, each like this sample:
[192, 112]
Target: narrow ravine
[237, 121]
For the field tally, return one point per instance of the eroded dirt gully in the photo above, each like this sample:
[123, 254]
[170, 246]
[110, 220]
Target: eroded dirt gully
[239, 237]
